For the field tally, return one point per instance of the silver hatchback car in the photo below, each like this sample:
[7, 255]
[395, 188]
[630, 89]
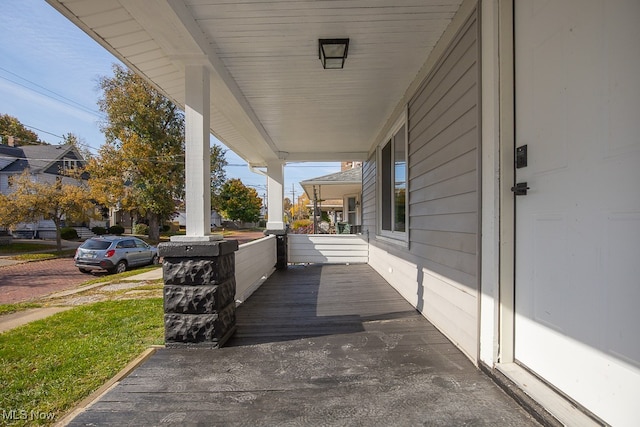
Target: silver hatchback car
[114, 254]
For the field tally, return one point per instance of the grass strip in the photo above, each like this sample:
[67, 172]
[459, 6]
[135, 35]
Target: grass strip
[12, 308]
[48, 366]
[18, 247]
[65, 253]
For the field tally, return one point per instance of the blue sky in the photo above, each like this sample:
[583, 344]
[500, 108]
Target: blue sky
[49, 71]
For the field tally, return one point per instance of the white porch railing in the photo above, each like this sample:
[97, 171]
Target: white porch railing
[327, 248]
[255, 261]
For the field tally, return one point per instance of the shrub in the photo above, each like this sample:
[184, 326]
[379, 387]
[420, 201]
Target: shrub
[68, 233]
[301, 223]
[116, 229]
[141, 229]
[99, 231]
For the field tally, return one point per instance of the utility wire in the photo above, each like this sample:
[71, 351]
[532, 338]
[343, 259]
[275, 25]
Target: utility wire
[58, 97]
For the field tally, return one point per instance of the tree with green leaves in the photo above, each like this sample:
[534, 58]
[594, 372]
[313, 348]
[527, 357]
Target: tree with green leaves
[60, 200]
[12, 129]
[218, 173]
[141, 166]
[239, 202]
[78, 143]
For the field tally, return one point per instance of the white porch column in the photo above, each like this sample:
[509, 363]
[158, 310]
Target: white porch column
[197, 154]
[275, 195]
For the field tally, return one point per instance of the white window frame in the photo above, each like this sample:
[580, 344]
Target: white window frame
[69, 164]
[393, 236]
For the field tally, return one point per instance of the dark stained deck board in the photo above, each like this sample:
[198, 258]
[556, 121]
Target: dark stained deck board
[316, 345]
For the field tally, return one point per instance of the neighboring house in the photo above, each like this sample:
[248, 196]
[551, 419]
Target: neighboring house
[181, 219]
[46, 164]
[501, 150]
[339, 193]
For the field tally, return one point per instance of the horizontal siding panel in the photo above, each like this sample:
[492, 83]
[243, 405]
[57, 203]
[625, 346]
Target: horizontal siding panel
[449, 70]
[369, 194]
[432, 129]
[464, 262]
[457, 324]
[327, 249]
[461, 203]
[462, 242]
[460, 184]
[459, 223]
[420, 148]
[456, 167]
[456, 148]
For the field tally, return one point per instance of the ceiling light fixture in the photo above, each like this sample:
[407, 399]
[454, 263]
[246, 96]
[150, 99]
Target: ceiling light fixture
[333, 52]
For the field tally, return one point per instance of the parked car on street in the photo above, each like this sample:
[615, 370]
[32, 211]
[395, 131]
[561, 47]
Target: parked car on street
[114, 254]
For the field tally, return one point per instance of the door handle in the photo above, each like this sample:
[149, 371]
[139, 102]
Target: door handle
[520, 189]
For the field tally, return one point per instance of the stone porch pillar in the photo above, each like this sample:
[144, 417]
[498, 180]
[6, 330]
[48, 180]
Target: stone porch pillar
[198, 268]
[199, 292]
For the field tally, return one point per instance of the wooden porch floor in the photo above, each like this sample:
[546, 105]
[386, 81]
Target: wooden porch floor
[316, 345]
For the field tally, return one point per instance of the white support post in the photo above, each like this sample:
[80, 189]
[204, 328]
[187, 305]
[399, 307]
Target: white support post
[275, 195]
[197, 155]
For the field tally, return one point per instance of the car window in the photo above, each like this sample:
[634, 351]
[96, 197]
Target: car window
[126, 244]
[96, 244]
[129, 244]
[141, 244]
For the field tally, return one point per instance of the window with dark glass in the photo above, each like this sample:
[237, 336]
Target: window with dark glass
[393, 188]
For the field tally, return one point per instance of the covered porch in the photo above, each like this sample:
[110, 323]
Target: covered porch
[315, 345]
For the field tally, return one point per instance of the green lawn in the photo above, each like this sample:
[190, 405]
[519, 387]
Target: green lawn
[50, 365]
[12, 308]
[20, 247]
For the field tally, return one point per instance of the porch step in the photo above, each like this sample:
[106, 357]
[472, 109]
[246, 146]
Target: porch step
[84, 233]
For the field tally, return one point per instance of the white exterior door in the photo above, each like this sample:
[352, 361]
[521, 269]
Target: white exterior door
[578, 227]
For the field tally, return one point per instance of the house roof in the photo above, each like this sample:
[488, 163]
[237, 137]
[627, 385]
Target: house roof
[271, 99]
[335, 185]
[36, 158]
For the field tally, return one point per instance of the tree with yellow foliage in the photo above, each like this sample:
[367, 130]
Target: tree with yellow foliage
[57, 201]
[300, 209]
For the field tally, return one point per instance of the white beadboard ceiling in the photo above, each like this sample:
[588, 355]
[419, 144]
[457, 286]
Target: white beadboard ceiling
[270, 96]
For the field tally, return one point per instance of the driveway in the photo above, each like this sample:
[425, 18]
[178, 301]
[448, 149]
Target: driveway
[31, 280]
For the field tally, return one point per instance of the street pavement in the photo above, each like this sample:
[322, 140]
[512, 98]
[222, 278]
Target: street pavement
[31, 280]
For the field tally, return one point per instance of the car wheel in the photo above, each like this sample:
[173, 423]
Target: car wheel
[155, 260]
[84, 270]
[121, 267]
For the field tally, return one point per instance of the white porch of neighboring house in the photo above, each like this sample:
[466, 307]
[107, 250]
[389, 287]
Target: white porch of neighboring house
[501, 160]
[337, 192]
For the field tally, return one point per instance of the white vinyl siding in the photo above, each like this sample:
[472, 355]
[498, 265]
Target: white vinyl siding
[369, 195]
[327, 249]
[438, 273]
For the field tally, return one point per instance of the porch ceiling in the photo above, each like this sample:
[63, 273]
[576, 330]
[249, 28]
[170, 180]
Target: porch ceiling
[270, 96]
